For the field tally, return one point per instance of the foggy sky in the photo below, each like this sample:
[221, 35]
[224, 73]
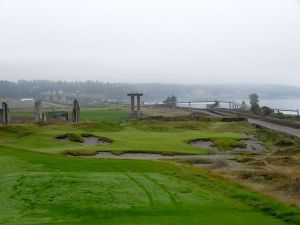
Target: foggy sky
[170, 41]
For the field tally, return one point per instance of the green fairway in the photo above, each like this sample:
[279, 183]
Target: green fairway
[42, 138]
[41, 186]
[87, 114]
[44, 189]
[144, 136]
[105, 114]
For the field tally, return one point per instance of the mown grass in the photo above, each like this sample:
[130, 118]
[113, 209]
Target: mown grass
[127, 139]
[38, 188]
[105, 114]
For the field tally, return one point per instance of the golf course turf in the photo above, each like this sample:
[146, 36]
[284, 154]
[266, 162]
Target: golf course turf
[40, 185]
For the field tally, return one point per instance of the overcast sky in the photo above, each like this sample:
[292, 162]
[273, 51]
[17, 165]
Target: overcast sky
[169, 41]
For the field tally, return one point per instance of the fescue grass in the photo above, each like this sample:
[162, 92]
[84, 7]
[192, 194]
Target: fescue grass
[277, 143]
[228, 143]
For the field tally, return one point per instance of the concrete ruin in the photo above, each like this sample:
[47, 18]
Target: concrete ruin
[37, 111]
[76, 112]
[63, 115]
[4, 114]
[135, 111]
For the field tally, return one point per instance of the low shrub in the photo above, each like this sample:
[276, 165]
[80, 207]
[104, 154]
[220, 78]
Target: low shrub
[80, 153]
[75, 137]
[285, 142]
[80, 137]
[18, 129]
[227, 143]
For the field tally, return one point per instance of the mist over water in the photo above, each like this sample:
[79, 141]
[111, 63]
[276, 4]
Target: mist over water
[288, 104]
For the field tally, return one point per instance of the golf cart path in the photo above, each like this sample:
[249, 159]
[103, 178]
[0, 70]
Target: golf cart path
[284, 129]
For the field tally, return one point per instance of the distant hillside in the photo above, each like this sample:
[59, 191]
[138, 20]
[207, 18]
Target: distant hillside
[152, 91]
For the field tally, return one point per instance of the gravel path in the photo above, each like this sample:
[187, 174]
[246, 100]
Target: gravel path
[287, 130]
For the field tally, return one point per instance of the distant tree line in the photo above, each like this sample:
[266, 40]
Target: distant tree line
[152, 91]
[256, 109]
[32, 89]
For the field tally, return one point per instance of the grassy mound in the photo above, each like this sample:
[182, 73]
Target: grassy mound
[222, 143]
[228, 143]
[24, 129]
[72, 137]
[80, 137]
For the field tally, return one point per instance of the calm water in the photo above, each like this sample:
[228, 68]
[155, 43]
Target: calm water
[278, 104]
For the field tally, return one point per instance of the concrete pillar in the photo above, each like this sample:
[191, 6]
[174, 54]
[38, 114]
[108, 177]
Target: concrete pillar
[37, 111]
[132, 102]
[44, 117]
[5, 113]
[76, 112]
[138, 103]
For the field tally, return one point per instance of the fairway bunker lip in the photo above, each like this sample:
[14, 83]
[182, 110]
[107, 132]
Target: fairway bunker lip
[206, 161]
[84, 139]
[203, 143]
[141, 155]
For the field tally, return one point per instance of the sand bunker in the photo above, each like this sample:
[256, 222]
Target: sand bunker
[252, 146]
[203, 143]
[95, 141]
[206, 161]
[148, 156]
